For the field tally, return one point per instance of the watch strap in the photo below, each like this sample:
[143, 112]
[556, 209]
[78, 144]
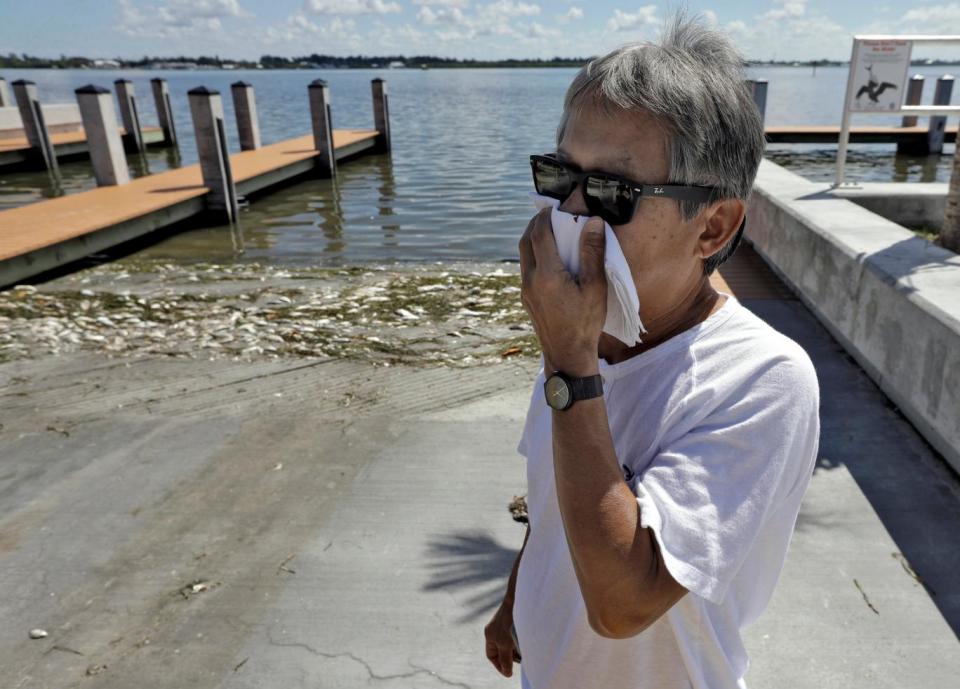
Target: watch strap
[586, 388]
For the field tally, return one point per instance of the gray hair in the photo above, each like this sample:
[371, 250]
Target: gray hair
[692, 84]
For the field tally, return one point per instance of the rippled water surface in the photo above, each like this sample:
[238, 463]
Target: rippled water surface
[456, 184]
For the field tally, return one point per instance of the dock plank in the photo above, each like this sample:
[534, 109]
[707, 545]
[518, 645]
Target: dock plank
[19, 144]
[48, 223]
[830, 133]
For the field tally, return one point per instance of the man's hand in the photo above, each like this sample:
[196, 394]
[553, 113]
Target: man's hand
[501, 651]
[567, 312]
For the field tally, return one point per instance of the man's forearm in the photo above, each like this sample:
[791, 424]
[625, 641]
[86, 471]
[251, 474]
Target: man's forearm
[612, 554]
[512, 582]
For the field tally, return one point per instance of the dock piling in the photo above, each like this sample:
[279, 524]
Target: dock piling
[133, 139]
[322, 127]
[245, 106]
[206, 109]
[758, 88]
[381, 112]
[161, 99]
[103, 138]
[5, 101]
[913, 97]
[34, 126]
[941, 96]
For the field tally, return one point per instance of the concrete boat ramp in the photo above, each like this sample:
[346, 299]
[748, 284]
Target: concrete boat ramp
[330, 523]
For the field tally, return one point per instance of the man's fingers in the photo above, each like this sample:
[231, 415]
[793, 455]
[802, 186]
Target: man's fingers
[528, 262]
[592, 248]
[544, 243]
[493, 655]
[506, 661]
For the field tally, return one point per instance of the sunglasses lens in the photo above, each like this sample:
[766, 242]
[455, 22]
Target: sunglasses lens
[609, 198]
[551, 179]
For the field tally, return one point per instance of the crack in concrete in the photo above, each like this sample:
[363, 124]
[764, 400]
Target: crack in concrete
[373, 675]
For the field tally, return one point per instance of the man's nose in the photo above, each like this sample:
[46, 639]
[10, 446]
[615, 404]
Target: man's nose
[575, 203]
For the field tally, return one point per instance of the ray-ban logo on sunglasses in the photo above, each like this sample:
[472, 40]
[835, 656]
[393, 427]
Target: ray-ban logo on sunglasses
[658, 190]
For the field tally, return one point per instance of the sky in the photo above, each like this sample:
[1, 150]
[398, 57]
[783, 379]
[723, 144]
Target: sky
[481, 29]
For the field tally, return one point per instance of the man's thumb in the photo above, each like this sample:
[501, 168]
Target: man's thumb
[592, 247]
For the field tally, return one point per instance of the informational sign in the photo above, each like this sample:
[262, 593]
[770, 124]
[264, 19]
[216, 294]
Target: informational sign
[879, 75]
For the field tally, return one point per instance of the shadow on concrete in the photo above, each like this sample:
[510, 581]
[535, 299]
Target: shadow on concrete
[910, 486]
[912, 256]
[473, 562]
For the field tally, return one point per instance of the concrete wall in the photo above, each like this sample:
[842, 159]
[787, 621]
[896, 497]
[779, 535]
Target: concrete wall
[60, 117]
[890, 298]
[912, 204]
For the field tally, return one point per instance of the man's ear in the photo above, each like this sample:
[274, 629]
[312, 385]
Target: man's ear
[722, 220]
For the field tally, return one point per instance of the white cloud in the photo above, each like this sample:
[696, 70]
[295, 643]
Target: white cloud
[298, 34]
[209, 8]
[788, 31]
[442, 3]
[785, 9]
[537, 30]
[933, 18]
[493, 19]
[176, 17]
[508, 8]
[573, 14]
[351, 6]
[442, 15]
[626, 21]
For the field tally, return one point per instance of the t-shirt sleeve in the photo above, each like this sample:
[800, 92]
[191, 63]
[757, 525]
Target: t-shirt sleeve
[708, 494]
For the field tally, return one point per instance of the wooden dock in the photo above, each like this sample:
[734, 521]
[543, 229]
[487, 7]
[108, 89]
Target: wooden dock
[48, 234]
[830, 134]
[16, 150]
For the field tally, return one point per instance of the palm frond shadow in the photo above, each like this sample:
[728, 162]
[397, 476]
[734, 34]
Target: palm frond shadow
[472, 562]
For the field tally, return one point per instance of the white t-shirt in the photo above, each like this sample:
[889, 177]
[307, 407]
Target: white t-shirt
[716, 431]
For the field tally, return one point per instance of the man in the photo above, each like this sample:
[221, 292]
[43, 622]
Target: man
[661, 505]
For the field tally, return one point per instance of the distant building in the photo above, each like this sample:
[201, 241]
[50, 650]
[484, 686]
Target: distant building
[172, 65]
[106, 64]
[228, 65]
[396, 64]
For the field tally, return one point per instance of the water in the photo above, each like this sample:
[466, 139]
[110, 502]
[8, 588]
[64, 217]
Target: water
[455, 186]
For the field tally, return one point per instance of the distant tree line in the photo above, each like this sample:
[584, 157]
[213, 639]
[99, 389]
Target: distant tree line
[314, 61]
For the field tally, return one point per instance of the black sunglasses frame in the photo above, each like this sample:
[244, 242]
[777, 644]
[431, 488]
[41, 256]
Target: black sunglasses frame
[680, 192]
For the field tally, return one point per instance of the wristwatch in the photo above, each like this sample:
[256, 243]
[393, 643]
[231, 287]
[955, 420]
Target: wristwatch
[562, 391]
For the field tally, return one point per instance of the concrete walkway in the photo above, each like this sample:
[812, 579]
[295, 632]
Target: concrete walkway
[329, 524]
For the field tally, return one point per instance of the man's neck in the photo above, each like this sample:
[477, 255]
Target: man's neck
[695, 307]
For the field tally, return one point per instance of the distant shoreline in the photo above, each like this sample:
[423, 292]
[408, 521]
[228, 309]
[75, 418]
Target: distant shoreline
[314, 62]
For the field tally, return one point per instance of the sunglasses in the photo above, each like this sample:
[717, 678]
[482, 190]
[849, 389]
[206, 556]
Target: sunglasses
[611, 197]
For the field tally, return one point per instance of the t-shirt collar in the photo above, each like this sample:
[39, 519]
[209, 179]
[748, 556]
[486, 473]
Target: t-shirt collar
[677, 342]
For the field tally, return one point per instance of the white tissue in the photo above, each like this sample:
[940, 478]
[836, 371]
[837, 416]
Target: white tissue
[623, 304]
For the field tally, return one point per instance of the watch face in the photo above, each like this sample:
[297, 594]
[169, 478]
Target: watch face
[558, 392]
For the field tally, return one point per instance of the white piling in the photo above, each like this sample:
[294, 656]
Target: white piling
[758, 89]
[5, 101]
[245, 107]
[322, 127]
[103, 137]
[381, 112]
[133, 139]
[161, 100]
[206, 109]
[34, 126]
[941, 96]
